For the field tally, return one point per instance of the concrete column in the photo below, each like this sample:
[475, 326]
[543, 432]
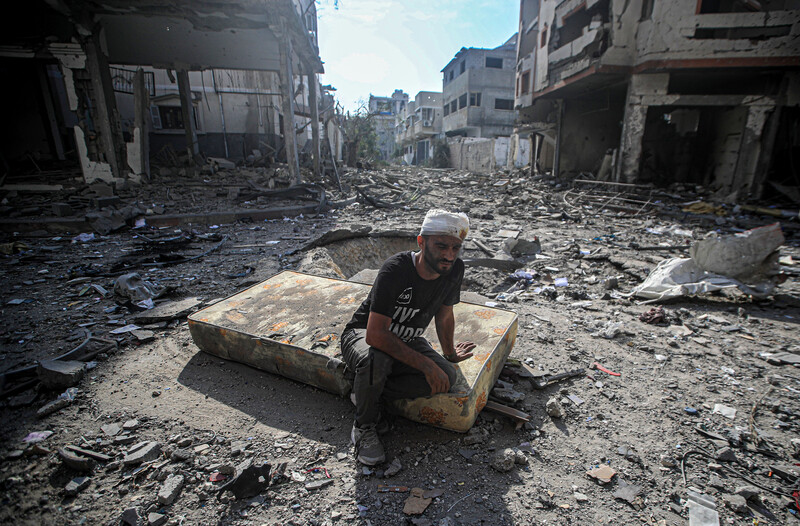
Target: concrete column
[185, 93]
[141, 135]
[631, 141]
[287, 106]
[313, 85]
[749, 152]
[105, 118]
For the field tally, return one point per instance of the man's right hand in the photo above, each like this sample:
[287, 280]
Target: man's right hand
[437, 379]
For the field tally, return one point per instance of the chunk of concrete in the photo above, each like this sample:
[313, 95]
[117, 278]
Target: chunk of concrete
[170, 489]
[142, 452]
[156, 519]
[75, 462]
[57, 374]
[129, 517]
[76, 485]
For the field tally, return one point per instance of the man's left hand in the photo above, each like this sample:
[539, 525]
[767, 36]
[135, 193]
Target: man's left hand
[462, 351]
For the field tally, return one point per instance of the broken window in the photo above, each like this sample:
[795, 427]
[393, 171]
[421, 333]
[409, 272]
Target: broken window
[453, 106]
[503, 104]
[451, 74]
[474, 99]
[463, 67]
[525, 82]
[492, 62]
[544, 37]
[462, 101]
[170, 117]
[446, 109]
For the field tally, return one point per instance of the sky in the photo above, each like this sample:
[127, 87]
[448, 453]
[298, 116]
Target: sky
[381, 45]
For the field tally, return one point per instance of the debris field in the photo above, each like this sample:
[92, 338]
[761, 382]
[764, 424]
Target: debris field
[611, 410]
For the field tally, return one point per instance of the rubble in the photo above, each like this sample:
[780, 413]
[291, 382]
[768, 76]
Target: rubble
[724, 348]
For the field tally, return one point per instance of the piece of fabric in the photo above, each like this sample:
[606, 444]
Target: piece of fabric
[443, 223]
[377, 375]
[410, 301]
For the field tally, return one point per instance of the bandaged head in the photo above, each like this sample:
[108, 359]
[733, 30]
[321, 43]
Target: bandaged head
[443, 223]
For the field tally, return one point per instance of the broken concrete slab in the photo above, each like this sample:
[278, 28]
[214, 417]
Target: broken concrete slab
[57, 374]
[142, 452]
[76, 485]
[170, 489]
[75, 462]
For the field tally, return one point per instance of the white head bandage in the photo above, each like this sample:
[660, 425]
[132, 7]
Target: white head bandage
[443, 223]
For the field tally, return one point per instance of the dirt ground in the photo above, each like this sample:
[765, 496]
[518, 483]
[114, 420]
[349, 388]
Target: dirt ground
[207, 415]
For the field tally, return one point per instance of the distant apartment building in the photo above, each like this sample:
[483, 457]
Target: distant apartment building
[478, 92]
[693, 91]
[417, 125]
[384, 111]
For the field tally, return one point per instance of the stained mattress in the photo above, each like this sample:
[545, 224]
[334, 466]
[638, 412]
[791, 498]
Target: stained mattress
[290, 325]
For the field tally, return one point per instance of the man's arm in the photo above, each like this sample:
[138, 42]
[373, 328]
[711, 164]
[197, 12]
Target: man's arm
[380, 337]
[445, 328]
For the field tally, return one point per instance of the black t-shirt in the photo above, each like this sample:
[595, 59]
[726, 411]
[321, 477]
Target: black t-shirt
[410, 301]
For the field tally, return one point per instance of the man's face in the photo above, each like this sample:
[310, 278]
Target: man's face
[439, 252]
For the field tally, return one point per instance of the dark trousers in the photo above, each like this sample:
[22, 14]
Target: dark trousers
[378, 375]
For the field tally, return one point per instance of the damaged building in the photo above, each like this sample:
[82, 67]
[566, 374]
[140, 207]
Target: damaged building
[107, 85]
[383, 111]
[705, 92]
[416, 126]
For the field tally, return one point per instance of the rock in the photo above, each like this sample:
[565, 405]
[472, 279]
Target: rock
[237, 447]
[520, 458]
[580, 497]
[170, 489]
[715, 482]
[447, 521]
[748, 492]
[129, 517]
[58, 375]
[508, 395]
[737, 503]
[318, 484]
[554, 408]
[181, 455]
[76, 485]
[668, 461]
[725, 454]
[110, 429]
[130, 425]
[796, 448]
[142, 452]
[393, 469]
[51, 407]
[156, 519]
[503, 460]
[186, 442]
[75, 462]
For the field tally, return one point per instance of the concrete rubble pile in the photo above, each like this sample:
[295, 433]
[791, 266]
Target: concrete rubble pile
[609, 409]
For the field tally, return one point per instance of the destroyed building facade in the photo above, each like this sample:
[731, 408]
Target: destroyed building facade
[383, 111]
[417, 125]
[478, 92]
[68, 67]
[704, 92]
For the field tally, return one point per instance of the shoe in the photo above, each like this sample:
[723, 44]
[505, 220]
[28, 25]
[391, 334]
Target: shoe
[369, 450]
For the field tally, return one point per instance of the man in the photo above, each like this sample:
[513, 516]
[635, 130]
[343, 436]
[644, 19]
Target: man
[383, 344]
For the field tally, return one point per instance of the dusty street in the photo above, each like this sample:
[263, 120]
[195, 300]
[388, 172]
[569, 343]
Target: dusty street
[692, 391]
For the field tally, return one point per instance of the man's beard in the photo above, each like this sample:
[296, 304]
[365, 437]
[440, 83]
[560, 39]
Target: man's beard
[434, 264]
